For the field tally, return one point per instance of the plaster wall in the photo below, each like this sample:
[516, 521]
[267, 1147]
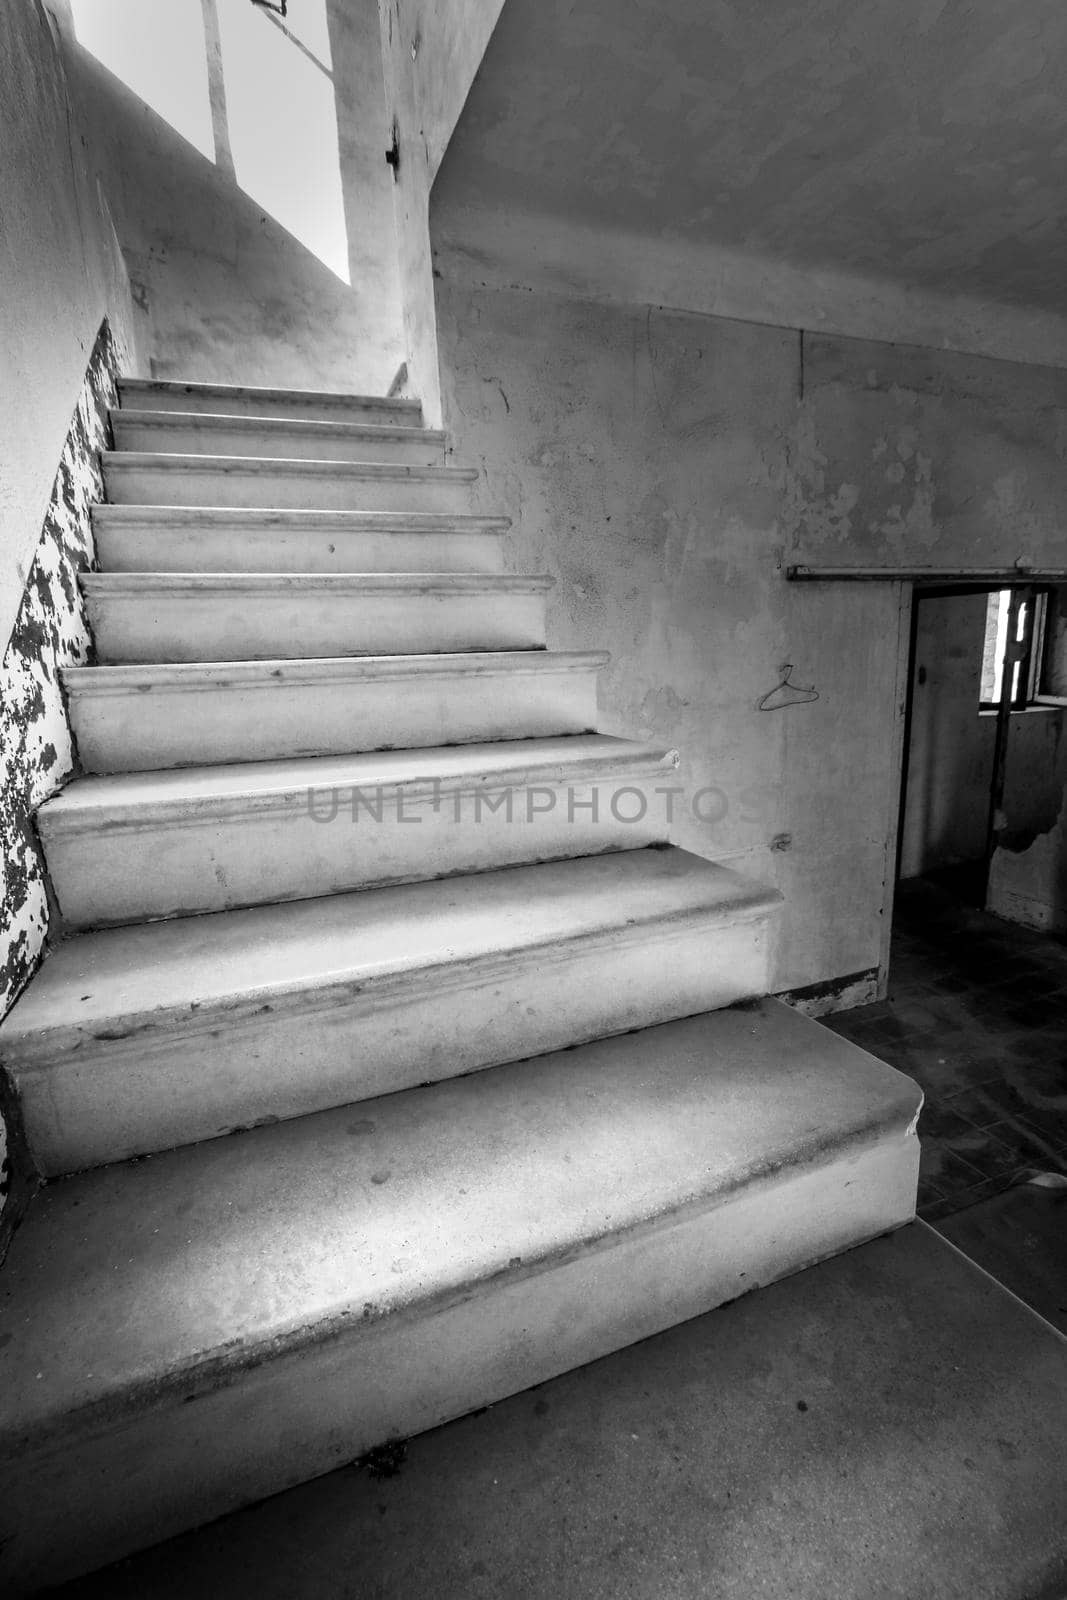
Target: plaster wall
[62, 274]
[61, 271]
[225, 293]
[36, 750]
[665, 467]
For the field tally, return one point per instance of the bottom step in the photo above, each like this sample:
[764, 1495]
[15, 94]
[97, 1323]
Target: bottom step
[895, 1399]
[188, 1333]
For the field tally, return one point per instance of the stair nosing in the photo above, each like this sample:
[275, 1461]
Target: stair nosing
[184, 461]
[381, 432]
[66, 815]
[206, 676]
[387, 522]
[114, 584]
[34, 1052]
[297, 396]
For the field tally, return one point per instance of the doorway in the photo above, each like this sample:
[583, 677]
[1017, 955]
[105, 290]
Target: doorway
[976, 1006]
[982, 770]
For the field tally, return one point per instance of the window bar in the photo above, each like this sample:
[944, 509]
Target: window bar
[1013, 682]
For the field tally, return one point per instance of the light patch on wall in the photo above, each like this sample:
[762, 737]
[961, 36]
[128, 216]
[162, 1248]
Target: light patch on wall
[253, 91]
[50, 633]
[36, 753]
[158, 51]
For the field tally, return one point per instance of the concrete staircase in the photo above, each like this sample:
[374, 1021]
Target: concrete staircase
[347, 878]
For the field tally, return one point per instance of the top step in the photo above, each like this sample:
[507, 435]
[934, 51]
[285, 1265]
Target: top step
[303, 405]
[219, 434]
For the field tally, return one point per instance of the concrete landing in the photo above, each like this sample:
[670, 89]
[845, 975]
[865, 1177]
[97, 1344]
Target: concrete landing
[326, 1284]
[885, 1426]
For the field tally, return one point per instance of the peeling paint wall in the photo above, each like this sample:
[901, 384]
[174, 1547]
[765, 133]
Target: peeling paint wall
[921, 455]
[50, 632]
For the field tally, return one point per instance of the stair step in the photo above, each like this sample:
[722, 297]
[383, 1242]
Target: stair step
[229, 539]
[139, 478]
[138, 1039]
[238, 399]
[192, 1332]
[240, 616]
[142, 718]
[159, 844]
[201, 433]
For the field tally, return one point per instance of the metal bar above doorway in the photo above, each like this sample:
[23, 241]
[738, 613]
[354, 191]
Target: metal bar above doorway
[999, 576]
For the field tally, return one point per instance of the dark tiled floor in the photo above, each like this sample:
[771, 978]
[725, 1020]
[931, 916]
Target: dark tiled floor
[1020, 1237]
[977, 1014]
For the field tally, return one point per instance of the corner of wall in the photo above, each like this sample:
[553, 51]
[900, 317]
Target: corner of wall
[430, 56]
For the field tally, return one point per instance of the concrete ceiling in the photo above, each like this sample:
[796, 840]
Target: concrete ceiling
[921, 141]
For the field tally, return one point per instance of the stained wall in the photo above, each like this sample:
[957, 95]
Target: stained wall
[667, 468]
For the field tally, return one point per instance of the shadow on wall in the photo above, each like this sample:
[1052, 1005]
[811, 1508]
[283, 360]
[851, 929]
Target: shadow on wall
[243, 158]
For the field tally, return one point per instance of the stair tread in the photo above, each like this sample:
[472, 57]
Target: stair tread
[519, 761]
[310, 426]
[248, 583]
[140, 1282]
[162, 974]
[179, 461]
[147, 386]
[195, 675]
[296, 519]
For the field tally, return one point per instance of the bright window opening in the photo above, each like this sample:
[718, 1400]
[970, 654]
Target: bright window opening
[253, 92]
[158, 50]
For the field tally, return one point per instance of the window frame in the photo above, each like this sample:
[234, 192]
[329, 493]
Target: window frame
[1034, 644]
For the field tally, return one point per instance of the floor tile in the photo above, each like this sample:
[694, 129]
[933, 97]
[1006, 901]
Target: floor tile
[976, 1013]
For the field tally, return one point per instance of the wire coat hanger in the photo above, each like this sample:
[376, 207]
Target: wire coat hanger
[785, 693]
